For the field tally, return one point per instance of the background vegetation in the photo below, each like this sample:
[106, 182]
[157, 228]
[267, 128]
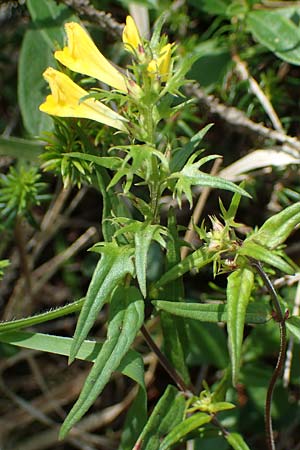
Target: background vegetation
[245, 72]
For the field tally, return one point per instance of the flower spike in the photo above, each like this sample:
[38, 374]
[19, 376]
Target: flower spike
[81, 55]
[65, 100]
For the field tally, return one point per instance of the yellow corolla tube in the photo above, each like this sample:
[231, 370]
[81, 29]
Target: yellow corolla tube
[81, 55]
[160, 67]
[65, 100]
[131, 36]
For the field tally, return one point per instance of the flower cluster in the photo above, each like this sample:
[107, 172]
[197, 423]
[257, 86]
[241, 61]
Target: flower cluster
[81, 55]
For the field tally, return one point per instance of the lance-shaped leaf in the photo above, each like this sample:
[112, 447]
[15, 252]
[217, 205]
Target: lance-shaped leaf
[276, 32]
[209, 312]
[184, 428]
[239, 287]
[109, 162]
[174, 328]
[168, 413]
[236, 441]
[131, 365]
[142, 240]
[113, 206]
[253, 250]
[126, 318]
[181, 155]
[114, 265]
[136, 419]
[277, 228]
[195, 260]
[190, 176]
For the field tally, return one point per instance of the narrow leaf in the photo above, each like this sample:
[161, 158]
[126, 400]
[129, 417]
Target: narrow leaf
[207, 344]
[293, 325]
[174, 328]
[109, 162]
[113, 205]
[208, 312]
[278, 227]
[184, 428]
[181, 155]
[114, 264]
[195, 260]
[136, 419]
[142, 240]
[236, 441]
[168, 412]
[131, 365]
[253, 250]
[239, 287]
[126, 318]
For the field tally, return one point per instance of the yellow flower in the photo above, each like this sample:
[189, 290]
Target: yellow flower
[82, 56]
[65, 101]
[160, 67]
[131, 36]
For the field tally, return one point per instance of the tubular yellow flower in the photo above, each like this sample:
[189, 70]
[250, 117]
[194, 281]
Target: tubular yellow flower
[82, 56]
[161, 66]
[65, 101]
[131, 36]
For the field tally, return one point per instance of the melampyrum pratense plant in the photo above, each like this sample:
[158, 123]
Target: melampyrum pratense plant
[133, 173]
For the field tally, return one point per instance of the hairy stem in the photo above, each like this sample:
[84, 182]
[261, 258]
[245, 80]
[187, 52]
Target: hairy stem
[280, 318]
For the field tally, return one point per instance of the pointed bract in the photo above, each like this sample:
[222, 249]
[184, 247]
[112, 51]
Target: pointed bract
[81, 55]
[65, 101]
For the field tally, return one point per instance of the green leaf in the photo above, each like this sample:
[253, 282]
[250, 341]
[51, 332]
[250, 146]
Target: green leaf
[20, 148]
[253, 250]
[206, 312]
[207, 344]
[114, 265]
[113, 205]
[211, 6]
[131, 365]
[175, 340]
[239, 287]
[293, 325]
[168, 412]
[109, 162]
[196, 260]
[190, 176]
[41, 318]
[49, 16]
[277, 33]
[277, 228]
[184, 428]
[236, 441]
[136, 419]
[212, 64]
[182, 154]
[36, 54]
[142, 241]
[126, 318]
